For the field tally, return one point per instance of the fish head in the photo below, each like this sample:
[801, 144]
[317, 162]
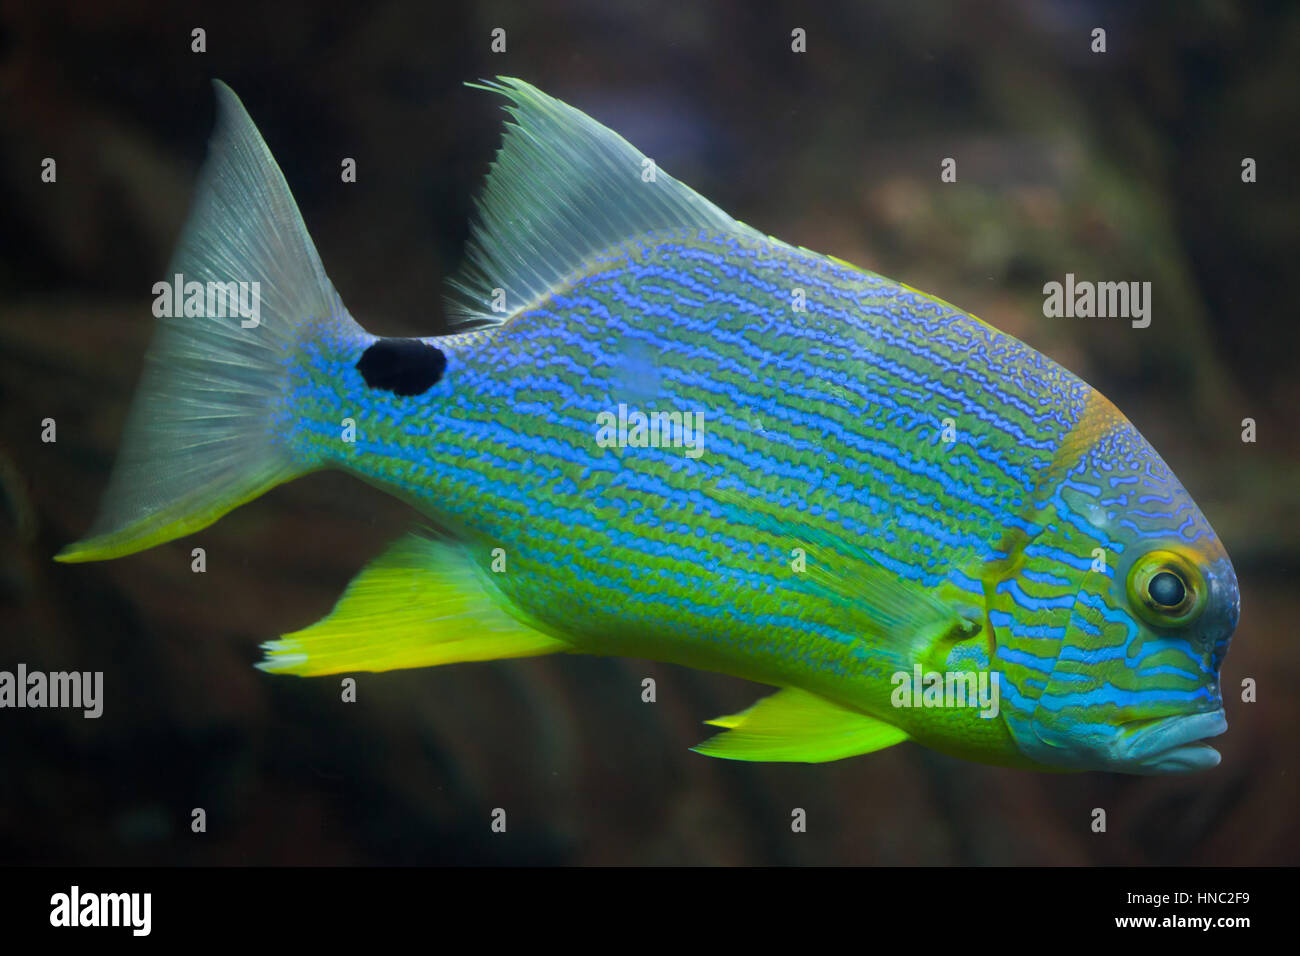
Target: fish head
[1125, 671]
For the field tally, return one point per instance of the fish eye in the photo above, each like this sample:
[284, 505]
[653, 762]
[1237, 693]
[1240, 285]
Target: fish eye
[1166, 589]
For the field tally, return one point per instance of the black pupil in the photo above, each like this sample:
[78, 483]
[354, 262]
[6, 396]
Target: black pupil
[1166, 589]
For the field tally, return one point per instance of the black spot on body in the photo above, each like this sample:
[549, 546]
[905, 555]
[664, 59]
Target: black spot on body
[402, 366]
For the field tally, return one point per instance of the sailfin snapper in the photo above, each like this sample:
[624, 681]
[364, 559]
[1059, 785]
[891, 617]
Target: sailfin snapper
[824, 538]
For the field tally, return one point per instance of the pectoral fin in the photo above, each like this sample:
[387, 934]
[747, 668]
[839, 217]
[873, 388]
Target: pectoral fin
[796, 726]
[902, 619]
[423, 602]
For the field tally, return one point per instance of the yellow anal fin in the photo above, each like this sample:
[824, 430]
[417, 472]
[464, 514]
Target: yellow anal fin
[421, 603]
[796, 726]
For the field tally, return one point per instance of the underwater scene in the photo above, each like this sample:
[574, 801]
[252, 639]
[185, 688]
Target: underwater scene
[638, 434]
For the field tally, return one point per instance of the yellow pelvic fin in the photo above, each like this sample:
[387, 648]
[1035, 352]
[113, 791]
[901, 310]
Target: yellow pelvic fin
[796, 726]
[421, 603]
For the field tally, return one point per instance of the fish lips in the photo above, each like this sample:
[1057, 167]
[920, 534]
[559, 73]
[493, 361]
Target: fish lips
[1173, 745]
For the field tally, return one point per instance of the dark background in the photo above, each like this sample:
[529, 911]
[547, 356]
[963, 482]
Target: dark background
[1122, 166]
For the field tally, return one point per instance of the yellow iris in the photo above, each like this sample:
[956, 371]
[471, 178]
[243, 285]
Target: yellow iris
[1163, 601]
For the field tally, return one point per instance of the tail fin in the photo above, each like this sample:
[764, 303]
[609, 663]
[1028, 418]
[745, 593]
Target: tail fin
[199, 440]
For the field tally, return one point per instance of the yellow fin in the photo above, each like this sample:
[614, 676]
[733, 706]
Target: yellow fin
[794, 725]
[421, 603]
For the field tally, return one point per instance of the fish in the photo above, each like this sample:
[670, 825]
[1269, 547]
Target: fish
[650, 430]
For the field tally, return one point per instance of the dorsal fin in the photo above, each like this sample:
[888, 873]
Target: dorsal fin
[562, 189]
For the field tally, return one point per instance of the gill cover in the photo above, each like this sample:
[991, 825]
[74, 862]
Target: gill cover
[1123, 673]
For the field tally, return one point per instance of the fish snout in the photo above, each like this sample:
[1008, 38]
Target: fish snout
[1172, 744]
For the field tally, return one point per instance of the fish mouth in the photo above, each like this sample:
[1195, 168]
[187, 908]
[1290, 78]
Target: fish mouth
[1174, 744]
